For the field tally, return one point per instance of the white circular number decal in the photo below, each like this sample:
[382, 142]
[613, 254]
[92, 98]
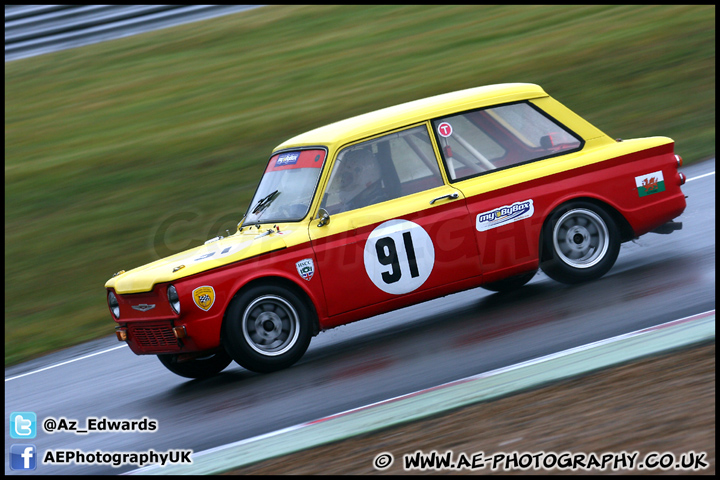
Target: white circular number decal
[399, 256]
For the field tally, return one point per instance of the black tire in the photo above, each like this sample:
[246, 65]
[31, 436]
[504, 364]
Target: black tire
[511, 283]
[201, 367]
[580, 243]
[267, 328]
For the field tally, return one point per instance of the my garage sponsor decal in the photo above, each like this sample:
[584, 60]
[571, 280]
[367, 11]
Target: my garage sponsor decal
[504, 215]
[287, 159]
[650, 183]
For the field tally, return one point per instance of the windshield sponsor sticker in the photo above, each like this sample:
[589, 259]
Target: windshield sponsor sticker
[305, 268]
[287, 159]
[504, 215]
[650, 183]
[296, 160]
[204, 297]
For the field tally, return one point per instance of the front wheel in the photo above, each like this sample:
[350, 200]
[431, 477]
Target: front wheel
[267, 328]
[580, 243]
[200, 367]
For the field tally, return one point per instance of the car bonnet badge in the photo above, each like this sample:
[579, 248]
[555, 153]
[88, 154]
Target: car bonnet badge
[143, 307]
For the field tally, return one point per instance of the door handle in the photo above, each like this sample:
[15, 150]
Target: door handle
[451, 196]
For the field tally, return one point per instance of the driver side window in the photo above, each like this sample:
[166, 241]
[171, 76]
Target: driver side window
[381, 169]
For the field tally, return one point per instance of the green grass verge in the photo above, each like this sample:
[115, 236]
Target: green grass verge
[107, 144]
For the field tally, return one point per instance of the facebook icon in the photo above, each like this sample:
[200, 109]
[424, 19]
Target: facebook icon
[23, 457]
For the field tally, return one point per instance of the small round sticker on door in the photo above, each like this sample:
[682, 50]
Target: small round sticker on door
[399, 256]
[445, 129]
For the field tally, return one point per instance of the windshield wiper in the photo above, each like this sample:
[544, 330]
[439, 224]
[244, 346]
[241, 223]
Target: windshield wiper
[264, 202]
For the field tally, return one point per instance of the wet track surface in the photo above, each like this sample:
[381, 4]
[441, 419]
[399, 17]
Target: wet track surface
[656, 279]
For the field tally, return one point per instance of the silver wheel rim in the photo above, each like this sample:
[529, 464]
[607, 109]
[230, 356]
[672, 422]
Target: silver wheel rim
[270, 325]
[581, 238]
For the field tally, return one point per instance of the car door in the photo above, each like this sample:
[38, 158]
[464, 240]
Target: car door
[490, 154]
[393, 226]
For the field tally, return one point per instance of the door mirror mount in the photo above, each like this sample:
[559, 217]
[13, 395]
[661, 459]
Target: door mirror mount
[324, 217]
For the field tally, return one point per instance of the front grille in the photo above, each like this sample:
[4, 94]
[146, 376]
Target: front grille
[159, 336]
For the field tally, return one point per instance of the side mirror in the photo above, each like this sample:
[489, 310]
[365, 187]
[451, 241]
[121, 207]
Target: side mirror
[548, 141]
[324, 217]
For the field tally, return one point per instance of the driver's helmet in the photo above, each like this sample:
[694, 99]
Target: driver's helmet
[360, 170]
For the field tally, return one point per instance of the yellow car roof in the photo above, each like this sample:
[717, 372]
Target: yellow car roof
[349, 130]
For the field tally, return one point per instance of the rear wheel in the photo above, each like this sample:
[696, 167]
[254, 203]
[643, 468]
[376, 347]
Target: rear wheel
[580, 243]
[199, 367]
[267, 328]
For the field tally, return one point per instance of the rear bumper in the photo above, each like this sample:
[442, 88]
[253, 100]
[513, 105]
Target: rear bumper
[656, 215]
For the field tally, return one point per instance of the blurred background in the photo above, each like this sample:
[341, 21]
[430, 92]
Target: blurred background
[121, 152]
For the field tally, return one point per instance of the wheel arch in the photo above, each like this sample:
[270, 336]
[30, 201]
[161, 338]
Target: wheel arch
[276, 281]
[626, 231]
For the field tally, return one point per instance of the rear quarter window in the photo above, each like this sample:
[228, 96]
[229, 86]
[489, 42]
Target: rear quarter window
[480, 141]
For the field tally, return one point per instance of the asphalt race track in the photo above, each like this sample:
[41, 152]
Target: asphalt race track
[656, 279]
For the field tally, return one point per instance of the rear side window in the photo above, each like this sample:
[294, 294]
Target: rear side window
[480, 141]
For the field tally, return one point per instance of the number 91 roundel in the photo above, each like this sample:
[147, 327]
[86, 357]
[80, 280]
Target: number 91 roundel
[399, 256]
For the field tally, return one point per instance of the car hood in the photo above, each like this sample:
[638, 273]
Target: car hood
[234, 248]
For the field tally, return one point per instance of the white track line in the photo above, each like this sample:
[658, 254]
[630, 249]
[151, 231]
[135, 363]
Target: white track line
[63, 363]
[699, 176]
[115, 348]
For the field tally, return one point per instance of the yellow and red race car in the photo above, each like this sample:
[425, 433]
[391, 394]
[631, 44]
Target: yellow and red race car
[479, 187]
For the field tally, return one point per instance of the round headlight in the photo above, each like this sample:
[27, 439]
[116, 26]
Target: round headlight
[173, 299]
[114, 306]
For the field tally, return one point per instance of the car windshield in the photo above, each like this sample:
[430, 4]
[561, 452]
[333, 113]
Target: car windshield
[287, 187]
